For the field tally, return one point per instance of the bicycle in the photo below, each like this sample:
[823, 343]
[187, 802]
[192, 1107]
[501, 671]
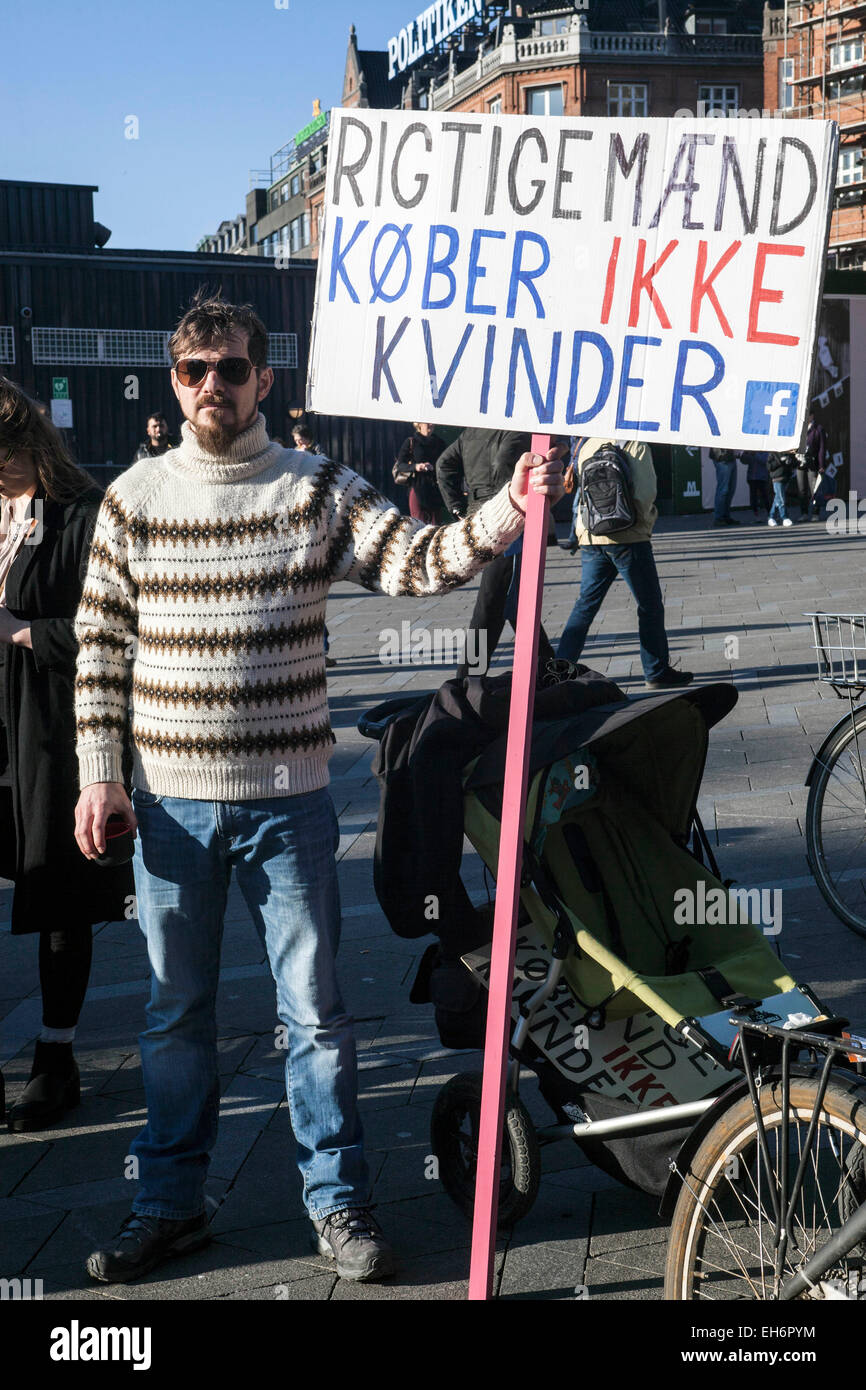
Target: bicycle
[836, 807]
[771, 1198]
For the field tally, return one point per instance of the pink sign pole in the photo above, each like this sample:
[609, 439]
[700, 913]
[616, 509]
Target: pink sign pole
[508, 888]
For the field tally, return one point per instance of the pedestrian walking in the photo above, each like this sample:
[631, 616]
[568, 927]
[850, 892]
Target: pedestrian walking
[48, 509]
[628, 553]
[158, 440]
[811, 463]
[416, 461]
[212, 567]
[779, 466]
[725, 461]
[476, 465]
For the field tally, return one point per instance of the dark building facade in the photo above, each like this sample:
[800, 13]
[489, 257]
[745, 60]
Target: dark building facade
[85, 329]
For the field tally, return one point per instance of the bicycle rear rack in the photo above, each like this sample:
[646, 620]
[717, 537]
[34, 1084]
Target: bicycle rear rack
[839, 641]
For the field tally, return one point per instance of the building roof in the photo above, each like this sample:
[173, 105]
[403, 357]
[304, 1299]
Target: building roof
[41, 183]
[381, 92]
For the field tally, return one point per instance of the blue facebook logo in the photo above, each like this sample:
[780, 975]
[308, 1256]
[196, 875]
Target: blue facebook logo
[770, 407]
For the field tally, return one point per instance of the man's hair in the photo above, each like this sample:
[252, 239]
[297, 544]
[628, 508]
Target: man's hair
[303, 432]
[156, 415]
[210, 320]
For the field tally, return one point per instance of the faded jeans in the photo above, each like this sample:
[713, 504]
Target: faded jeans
[283, 852]
[600, 565]
[779, 510]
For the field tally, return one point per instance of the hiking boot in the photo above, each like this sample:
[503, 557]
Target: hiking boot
[354, 1240]
[669, 679]
[142, 1243]
[54, 1087]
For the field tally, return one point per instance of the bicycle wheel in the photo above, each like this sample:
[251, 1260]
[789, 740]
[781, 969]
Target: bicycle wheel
[836, 825]
[722, 1236]
[454, 1137]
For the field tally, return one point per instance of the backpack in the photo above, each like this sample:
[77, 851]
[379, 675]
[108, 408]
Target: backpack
[606, 493]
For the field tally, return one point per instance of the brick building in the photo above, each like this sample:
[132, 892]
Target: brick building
[815, 66]
[587, 58]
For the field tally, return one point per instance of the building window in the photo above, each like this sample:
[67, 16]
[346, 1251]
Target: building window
[710, 26]
[284, 192]
[786, 77]
[274, 199]
[627, 99]
[282, 349]
[845, 86]
[296, 232]
[724, 100]
[306, 229]
[7, 343]
[296, 185]
[101, 347]
[850, 167]
[554, 26]
[494, 106]
[544, 101]
[842, 55]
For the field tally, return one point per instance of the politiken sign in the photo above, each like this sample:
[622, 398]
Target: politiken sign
[643, 279]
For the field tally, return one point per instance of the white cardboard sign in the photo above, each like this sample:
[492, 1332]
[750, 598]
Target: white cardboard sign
[637, 279]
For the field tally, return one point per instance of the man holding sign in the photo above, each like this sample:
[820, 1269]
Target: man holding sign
[201, 631]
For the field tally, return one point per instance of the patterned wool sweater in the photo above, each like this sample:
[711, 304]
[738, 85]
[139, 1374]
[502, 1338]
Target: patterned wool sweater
[202, 617]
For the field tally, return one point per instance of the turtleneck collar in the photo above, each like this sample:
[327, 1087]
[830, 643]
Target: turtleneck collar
[249, 453]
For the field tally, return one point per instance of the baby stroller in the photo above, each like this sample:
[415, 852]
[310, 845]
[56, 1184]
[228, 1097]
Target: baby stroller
[635, 962]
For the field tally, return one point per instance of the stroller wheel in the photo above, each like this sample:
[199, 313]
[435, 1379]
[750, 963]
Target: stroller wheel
[454, 1137]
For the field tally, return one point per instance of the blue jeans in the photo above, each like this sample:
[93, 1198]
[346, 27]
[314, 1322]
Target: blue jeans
[726, 483]
[283, 852]
[778, 511]
[599, 567]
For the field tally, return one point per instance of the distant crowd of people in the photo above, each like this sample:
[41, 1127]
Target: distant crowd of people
[454, 480]
[775, 479]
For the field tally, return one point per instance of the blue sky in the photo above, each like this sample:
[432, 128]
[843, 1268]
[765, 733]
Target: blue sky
[217, 86]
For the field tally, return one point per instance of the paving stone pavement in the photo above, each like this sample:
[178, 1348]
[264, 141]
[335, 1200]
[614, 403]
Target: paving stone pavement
[735, 600]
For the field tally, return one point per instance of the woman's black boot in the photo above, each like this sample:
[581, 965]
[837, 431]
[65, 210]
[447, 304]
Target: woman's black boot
[54, 1087]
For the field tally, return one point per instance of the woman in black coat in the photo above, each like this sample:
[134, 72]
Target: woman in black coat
[48, 511]
[418, 455]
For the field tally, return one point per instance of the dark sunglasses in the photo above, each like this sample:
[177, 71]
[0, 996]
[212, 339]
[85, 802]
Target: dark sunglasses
[191, 371]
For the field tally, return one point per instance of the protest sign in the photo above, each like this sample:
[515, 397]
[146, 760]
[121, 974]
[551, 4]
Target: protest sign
[643, 279]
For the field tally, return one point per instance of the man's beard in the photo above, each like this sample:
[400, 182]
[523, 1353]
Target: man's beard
[217, 433]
